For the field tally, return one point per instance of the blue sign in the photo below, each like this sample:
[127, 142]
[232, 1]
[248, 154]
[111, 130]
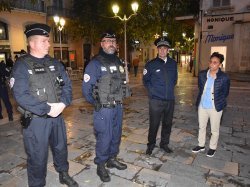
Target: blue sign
[213, 38]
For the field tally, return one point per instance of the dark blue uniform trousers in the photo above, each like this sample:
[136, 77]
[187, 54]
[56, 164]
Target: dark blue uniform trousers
[108, 131]
[41, 133]
[160, 111]
[5, 97]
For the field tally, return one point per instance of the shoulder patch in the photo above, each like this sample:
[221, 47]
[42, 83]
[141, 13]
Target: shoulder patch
[86, 77]
[12, 81]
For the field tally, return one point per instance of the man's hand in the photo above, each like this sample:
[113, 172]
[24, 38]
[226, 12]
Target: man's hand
[56, 109]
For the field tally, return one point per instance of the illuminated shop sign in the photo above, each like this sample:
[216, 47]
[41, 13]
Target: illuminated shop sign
[213, 38]
[220, 19]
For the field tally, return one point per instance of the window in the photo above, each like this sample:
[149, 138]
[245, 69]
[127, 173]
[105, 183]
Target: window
[64, 35]
[219, 3]
[3, 31]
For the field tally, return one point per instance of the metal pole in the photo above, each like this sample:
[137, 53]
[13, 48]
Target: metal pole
[125, 50]
[60, 34]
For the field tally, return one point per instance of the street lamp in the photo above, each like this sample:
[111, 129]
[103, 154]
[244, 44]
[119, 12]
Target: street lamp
[115, 9]
[60, 22]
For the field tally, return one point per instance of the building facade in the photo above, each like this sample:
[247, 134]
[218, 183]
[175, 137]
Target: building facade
[12, 26]
[224, 26]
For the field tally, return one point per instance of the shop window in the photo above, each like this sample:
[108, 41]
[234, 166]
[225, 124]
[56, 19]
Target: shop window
[3, 31]
[220, 3]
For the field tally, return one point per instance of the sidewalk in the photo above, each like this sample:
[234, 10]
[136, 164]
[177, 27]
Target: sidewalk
[229, 167]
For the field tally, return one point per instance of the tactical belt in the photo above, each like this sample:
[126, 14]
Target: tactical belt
[113, 105]
[29, 114]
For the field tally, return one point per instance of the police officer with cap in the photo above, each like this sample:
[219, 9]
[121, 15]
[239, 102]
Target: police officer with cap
[104, 86]
[160, 77]
[42, 90]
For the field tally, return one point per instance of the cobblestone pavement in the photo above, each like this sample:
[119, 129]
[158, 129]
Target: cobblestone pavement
[229, 167]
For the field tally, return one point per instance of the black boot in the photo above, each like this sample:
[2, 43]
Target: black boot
[114, 163]
[1, 116]
[64, 178]
[10, 117]
[103, 173]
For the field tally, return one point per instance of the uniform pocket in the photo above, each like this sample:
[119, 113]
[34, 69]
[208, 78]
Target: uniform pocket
[99, 121]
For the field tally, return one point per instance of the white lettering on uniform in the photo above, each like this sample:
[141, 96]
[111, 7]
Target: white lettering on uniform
[103, 68]
[86, 78]
[30, 71]
[145, 72]
[158, 70]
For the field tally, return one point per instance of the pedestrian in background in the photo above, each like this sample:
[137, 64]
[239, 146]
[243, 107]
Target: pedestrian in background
[214, 88]
[136, 62]
[9, 63]
[42, 90]
[104, 87]
[4, 95]
[160, 77]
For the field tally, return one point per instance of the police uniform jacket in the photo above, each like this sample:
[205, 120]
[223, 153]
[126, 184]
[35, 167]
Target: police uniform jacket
[94, 71]
[160, 78]
[21, 90]
[221, 88]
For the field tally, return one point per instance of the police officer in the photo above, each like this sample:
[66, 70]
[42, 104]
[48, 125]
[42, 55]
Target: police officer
[5, 72]
[160, 77]
[104, 86]
[42, 90]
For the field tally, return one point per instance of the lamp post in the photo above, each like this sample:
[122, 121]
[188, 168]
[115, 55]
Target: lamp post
[60, 22]
[115, 9]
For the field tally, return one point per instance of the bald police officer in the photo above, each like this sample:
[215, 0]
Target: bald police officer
[104, 86]
[42, 90]
[160, 77]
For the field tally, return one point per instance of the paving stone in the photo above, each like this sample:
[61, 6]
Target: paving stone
[189, 171]
[245, 170]
[216, 164]
[128, 173]
[179, 155]
[136, 147]
[216, 178]
[9, 161]
[148, 177]
[138, 138]
[148, 162]
[177, 181]
[241, 158]
[232, 140]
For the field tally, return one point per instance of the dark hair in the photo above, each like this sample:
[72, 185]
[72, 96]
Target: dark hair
[218, 55]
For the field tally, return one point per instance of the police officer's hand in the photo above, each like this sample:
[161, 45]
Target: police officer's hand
[56, 109]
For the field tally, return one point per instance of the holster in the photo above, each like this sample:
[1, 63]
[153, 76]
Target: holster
[25, 120]
[98, 106]
[26, 117]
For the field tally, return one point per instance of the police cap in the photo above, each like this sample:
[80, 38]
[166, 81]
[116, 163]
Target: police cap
[37, 29]
[162, 41]
[108, 34]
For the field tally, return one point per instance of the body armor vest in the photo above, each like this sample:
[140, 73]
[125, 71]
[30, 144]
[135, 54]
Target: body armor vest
[111, 88]
[43, 80]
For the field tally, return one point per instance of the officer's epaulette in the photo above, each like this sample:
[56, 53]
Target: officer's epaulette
[23, 57]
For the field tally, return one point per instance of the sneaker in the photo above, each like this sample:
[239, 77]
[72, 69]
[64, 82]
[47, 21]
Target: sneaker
[211, 152]
[197, 149]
